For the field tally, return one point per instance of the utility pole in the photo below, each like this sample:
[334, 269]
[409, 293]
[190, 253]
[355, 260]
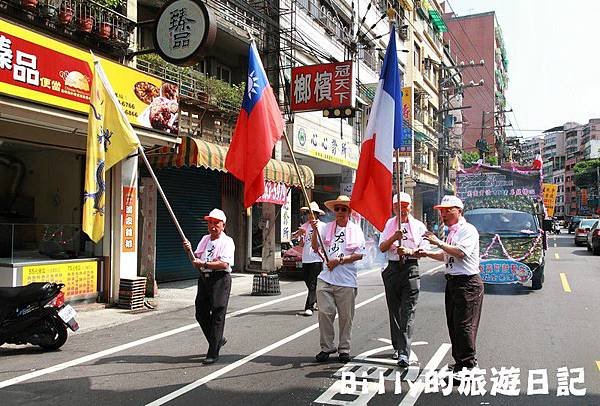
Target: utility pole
[447, 74]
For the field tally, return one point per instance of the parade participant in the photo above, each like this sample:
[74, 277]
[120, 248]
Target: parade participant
[401, 277]
[464, 287]
[312, 262]
[214, 259]
[337, 284]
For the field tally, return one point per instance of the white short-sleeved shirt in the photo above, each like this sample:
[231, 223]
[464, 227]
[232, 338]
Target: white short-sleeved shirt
[466, 238]
[408, 239]
[309, 256]
[221, 249]
[344, 274]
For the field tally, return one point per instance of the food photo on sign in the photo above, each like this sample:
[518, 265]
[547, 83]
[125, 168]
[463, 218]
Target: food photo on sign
[163, 106]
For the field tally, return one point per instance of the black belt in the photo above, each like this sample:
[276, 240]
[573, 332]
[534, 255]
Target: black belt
[208, 273]
[459, 277]
[405, 261]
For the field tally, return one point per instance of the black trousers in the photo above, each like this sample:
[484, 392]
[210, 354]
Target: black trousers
[311, 271]
[212, 299]
[464, 298]
[402, 284]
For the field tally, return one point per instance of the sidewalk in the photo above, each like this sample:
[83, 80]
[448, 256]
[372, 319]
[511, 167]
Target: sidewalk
[172, 296]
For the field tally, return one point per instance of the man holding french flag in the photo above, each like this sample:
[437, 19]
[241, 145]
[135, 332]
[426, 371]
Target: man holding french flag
[372, 197]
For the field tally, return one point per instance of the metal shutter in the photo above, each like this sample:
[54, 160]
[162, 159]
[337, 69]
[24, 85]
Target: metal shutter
[192, 192]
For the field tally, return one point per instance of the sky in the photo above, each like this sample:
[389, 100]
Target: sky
[553, 49]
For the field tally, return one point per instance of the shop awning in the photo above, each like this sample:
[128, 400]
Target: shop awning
[197, 152]
[437, 21]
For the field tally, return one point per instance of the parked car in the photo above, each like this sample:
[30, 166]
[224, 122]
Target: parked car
[574, 223]
[593, 239]
[291, 259]
[581, 232]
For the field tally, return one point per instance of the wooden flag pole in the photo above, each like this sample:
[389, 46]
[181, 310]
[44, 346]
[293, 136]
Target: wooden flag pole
[190, 254]
[289, 145]
[398, 187]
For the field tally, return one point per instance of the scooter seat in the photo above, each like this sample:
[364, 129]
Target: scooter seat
[26, 294]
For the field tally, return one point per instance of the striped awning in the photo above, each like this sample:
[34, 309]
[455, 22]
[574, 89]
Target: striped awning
[197, 152]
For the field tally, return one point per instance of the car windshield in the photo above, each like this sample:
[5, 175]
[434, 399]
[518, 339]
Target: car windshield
[494, 221]
[587, 223]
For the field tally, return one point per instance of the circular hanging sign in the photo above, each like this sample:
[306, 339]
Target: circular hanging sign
[184, 30]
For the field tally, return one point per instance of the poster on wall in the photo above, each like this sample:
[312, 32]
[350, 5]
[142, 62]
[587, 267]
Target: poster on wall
[80, 278]
[43, 70]
[128, 238]
[286, 219]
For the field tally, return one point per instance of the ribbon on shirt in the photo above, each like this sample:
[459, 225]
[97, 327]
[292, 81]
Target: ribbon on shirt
[453, 229]
[412, 224]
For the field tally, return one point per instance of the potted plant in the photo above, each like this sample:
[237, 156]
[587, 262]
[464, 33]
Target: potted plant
[86, 23]
[105, 28]
[65, 13]
[29, 4]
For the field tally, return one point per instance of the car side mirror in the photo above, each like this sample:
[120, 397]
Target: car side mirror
[547, 225]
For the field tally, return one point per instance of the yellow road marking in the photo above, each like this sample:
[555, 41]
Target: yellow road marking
[565, 282]
[556, 255]
[598, 365]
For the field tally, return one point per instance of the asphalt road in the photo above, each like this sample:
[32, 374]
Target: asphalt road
[269, 358]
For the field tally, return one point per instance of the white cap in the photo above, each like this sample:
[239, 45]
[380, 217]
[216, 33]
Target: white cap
[404, 198]
[450, 201]
[216, 214]
[315, 208]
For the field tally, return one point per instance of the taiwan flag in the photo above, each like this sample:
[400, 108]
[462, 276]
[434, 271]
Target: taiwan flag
[372, 193]
[259, 126]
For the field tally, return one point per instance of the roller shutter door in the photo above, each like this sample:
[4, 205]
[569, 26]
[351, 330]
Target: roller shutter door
[192, 192]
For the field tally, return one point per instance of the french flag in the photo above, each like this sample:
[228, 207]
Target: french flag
[259, 126]
[372, 192]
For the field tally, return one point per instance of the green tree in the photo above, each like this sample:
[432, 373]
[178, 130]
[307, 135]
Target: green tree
[585, 173]
[469, 158]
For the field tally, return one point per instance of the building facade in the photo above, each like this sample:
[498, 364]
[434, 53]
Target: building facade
[474, 38]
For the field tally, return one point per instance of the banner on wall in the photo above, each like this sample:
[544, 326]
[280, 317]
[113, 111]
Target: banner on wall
[549, 191]
[80, 278]
[43, 70]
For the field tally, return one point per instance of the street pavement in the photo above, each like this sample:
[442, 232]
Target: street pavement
[155, 358]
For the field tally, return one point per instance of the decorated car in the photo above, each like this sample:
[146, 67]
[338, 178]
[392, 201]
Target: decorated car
[505, 206]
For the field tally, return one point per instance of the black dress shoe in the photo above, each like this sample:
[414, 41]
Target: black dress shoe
[210, 360]
[344, 357]
[322, 356]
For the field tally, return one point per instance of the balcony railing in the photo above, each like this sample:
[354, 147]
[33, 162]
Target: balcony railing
[82, 21]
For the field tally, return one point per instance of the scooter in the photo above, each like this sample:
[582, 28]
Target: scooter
[36, 314]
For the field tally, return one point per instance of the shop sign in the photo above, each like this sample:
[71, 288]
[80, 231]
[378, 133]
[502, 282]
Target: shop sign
[502, 271]
[311, 141]
[286, 219]
[275, 192]
[549, 191]
[80, 278]
[128, 218]
[346, 188]
[407, 132]
[323, 86]
[505, 183]
[42, 70]
[184, 30]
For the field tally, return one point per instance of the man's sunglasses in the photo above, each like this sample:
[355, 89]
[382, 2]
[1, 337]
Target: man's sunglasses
[342, 209]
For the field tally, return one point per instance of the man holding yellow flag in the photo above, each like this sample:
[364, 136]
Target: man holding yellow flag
[110, 139]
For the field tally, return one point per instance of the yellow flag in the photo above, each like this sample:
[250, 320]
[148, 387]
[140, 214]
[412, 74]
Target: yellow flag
[110, 139]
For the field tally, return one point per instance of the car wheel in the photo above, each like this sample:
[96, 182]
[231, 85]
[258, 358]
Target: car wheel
[538, 278]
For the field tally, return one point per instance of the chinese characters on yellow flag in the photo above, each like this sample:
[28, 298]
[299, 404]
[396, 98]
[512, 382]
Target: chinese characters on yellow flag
[110, 139]
[549, 192]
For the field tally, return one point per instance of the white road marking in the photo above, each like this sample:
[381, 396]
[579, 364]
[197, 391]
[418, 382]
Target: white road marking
[417, 388]
[126, 346]
[245, 360]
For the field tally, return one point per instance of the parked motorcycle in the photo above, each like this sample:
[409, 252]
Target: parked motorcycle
[36, 314]
[556, 227]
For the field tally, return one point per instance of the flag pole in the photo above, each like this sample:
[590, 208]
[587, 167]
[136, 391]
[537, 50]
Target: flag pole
[398, 184]
[190, 254]
[289, 145]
